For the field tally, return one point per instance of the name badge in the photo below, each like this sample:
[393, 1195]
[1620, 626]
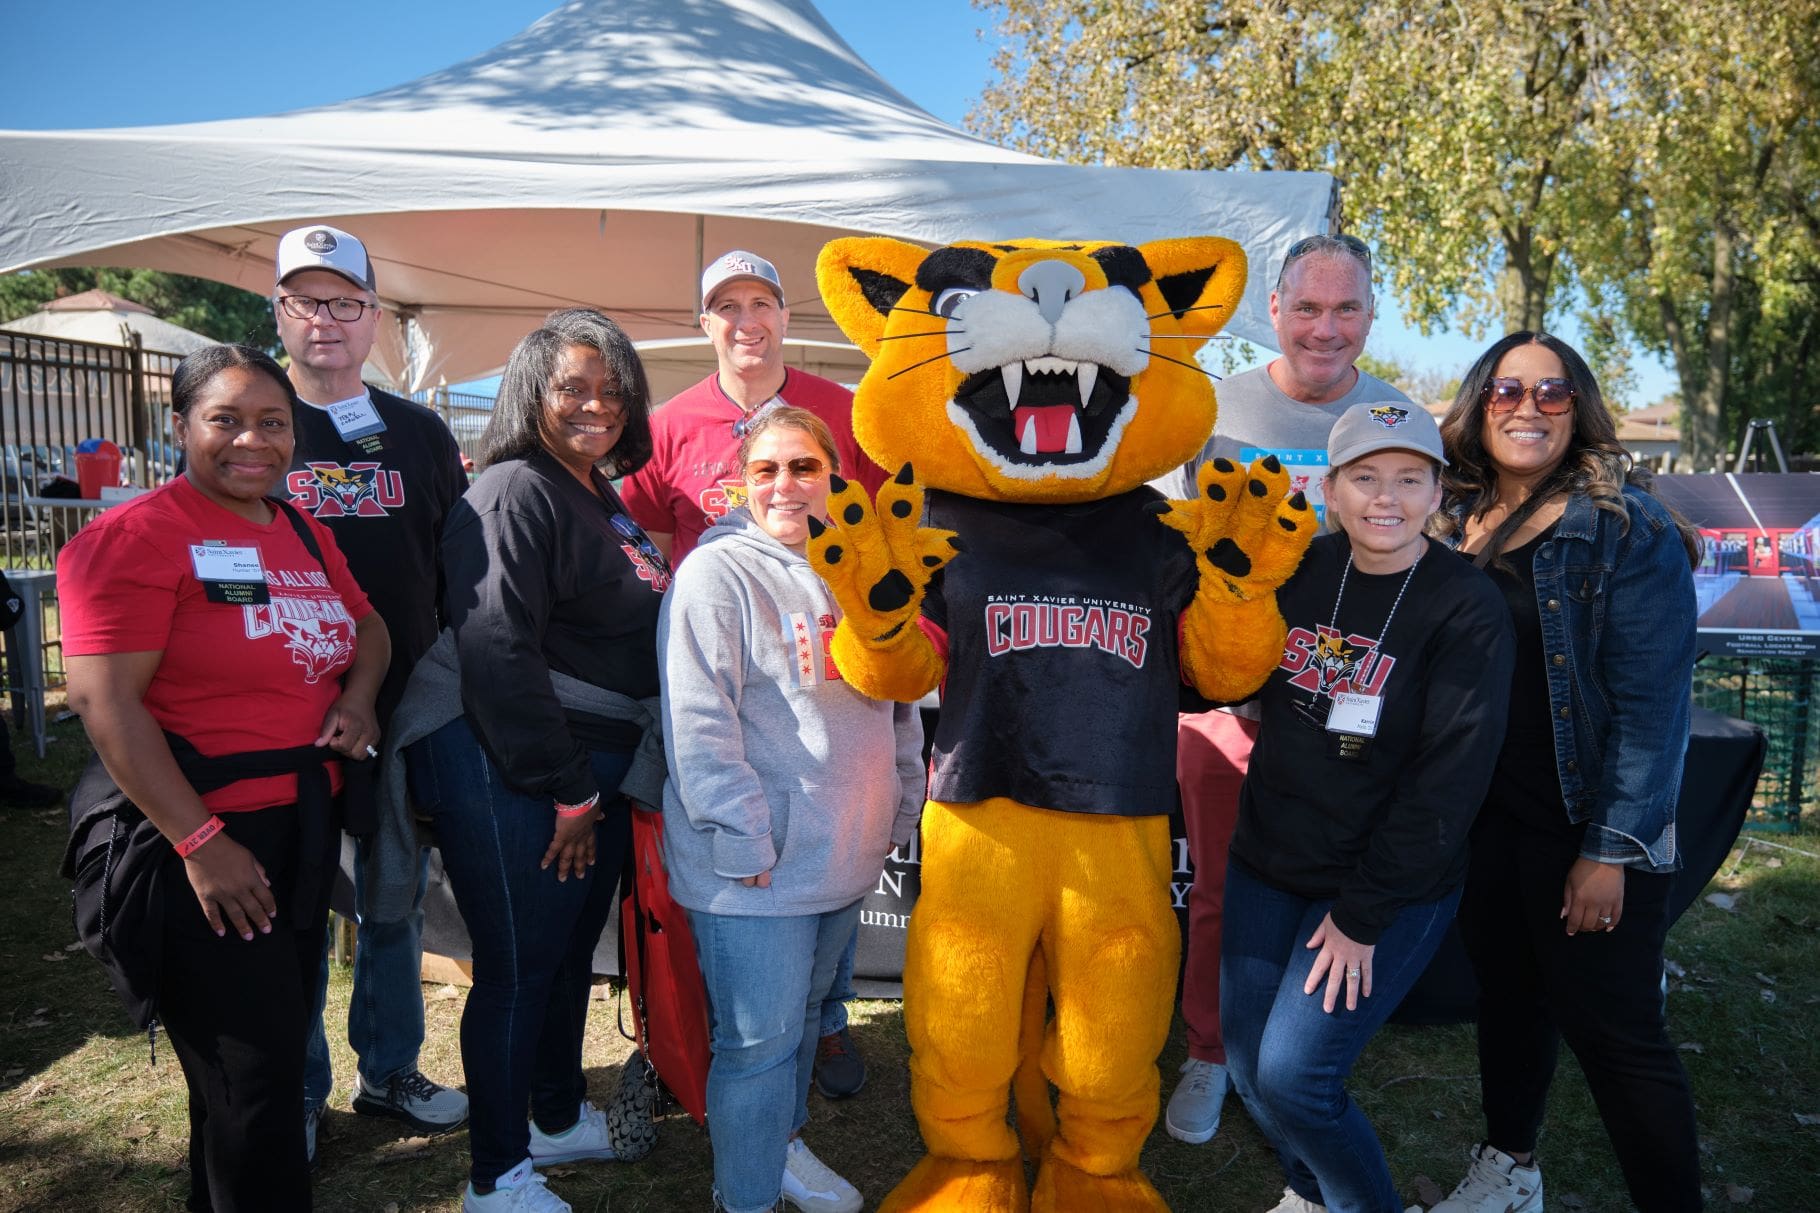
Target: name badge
[232, 575]
[1354, 713]
[355, 418]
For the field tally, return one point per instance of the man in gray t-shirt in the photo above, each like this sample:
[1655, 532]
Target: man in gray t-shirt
[1322, 311]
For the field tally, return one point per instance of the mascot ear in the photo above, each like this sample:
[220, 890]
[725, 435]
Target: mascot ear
[861, 278]
[1201, 279]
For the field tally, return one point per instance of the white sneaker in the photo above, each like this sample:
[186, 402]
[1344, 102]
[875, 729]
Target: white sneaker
[426, 1106]
[1495, 1183]
[1291, 1203]
[586, 1138]
[1193, 1114]
[812, 1186]
[520, 1190]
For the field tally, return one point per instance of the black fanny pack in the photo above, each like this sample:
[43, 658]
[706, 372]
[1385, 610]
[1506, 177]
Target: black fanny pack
[117, 861]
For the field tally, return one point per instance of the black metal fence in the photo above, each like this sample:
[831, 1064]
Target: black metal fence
[53, 395]
[466, 415]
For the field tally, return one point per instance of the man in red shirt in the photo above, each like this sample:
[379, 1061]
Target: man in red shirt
[693, 479]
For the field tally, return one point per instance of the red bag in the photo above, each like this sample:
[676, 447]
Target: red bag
[669, 1001]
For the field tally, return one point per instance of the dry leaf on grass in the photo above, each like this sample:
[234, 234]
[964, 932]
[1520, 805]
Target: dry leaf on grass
[1428, 1191]
[1768, 995]
[73, 947]
[1692, 1046]
[137, 1132]
[1673, 968]
[448, 994]
[403, 1148]
[1738, 1194]
[1766, 979]
[1807, 1118]
[55, 957]
[1722, 901]
[1573, 1200]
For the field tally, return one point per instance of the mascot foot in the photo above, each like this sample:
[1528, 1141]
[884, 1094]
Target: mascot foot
[1061, 1188]
[958, 1185]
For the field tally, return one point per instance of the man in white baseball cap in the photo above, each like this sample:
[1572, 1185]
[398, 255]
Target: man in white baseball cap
[381, 473]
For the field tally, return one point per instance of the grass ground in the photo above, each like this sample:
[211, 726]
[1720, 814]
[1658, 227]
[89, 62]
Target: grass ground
[87, 1124]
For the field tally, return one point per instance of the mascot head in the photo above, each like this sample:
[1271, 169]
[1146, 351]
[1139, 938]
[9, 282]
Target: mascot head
[1032, 370]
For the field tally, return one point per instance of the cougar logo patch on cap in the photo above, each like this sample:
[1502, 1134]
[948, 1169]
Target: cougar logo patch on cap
[1389, 415]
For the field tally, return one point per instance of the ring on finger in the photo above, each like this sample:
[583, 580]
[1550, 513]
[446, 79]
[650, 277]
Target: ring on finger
[1605, 920]
[1352, 973]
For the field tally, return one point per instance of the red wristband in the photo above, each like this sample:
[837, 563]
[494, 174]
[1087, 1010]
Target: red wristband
[576, 810]
[204, 832]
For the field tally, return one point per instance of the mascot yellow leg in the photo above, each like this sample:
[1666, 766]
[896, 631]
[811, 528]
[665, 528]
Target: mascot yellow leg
[1000, 878]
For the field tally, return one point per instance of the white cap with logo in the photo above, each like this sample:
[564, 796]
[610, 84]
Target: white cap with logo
[320, 247]
[1394, 425]
[738, 264]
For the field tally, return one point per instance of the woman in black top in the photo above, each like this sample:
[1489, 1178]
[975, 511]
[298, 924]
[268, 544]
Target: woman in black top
[1566, 904]
[552, 595]
[1377, 738]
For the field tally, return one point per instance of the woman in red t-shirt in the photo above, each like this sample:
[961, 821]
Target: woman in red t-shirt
[215, 638]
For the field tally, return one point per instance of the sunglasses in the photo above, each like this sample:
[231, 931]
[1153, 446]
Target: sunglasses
[1553, 396]
[805, 470]
[1352, 246]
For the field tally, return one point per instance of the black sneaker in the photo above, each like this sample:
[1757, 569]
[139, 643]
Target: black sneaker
[414, 1099]
[839, 1069]
[17, 793]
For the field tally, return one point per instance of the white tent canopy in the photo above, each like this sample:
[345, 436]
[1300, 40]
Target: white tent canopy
[600, 157]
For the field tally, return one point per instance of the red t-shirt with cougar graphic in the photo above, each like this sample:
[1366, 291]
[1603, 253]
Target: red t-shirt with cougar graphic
[231, 678]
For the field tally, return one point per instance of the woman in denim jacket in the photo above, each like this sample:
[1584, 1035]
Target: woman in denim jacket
[1566, 902]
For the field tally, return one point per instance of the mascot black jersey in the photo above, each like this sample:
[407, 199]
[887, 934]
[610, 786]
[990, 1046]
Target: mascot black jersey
[1063, 667]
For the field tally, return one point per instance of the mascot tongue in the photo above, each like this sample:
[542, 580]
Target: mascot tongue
[1047, 429]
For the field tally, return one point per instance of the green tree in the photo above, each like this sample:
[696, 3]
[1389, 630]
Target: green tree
[1455, 130]
[1505, 158]
[213, 309]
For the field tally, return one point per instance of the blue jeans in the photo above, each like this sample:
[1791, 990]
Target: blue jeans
[533, 938]
[1288, 1059]
[834, 1006]
[766, 980]
[385, 1012]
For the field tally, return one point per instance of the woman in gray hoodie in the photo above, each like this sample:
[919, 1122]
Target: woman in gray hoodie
[787, 790]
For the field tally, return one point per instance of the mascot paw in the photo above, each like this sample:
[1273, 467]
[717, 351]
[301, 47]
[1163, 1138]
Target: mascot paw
[1247, 530]
[958, 1185]
[1061, 1188]
[878, 562]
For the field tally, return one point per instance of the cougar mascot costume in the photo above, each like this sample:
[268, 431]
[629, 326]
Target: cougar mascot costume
[1033, 387]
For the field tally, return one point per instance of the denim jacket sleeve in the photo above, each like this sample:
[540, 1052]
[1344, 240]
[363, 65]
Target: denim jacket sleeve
[1637, 688]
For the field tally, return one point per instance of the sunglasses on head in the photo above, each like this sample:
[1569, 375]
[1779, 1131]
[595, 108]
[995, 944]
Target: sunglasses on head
[804, 470]
[1505, 393]
[1352, 246]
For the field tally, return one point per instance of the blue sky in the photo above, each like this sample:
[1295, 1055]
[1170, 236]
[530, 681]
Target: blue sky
[128, 63]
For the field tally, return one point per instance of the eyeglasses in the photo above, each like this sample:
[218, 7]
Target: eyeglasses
[1553, 396]
[805, 470]
[1352, 246]
[303, 307]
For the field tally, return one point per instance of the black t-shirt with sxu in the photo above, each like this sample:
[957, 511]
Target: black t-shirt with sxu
[384, 497]
[1384, 825]
[544, 575]
[1063, 668]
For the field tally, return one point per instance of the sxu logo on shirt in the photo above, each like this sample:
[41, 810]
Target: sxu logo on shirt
[1015, 623]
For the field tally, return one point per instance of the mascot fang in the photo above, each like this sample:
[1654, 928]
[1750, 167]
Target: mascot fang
[1033, 387]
